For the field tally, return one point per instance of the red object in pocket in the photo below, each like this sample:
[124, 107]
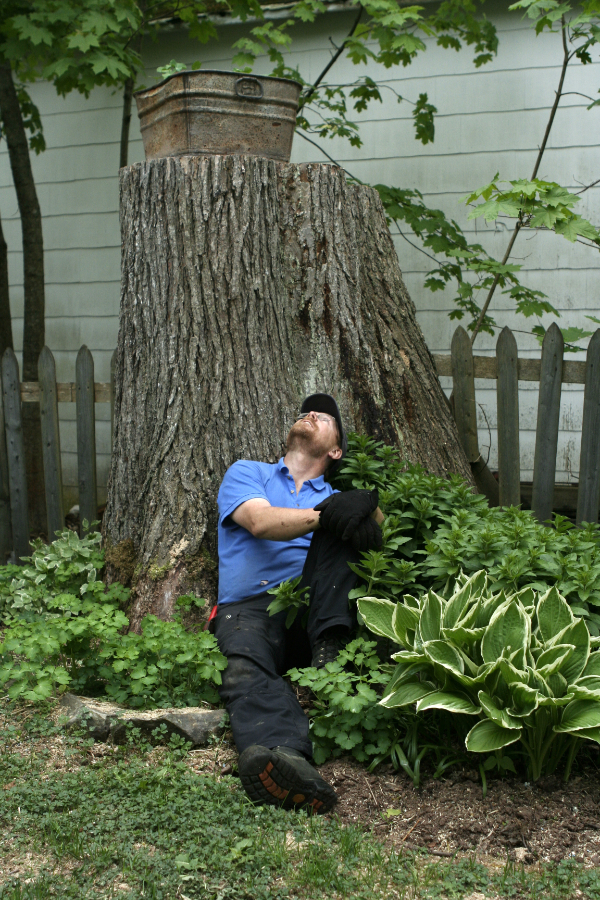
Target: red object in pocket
[210, 625]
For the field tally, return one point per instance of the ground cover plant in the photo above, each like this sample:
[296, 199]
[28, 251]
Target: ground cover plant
[515, 668]
[89, 822]
[63, 628]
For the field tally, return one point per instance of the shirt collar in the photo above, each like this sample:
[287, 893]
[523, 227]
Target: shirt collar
[317, 484]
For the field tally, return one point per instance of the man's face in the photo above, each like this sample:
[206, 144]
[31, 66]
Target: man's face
[315, 433]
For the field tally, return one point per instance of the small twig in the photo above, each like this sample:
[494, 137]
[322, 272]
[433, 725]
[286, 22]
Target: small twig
[412, 828]
[334, 58]
[578, 94]
[371, 790]
[558, 95]
[324, 152]
[588, 186]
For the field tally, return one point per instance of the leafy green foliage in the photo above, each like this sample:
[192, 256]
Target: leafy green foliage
[516, 550]
[346, 716]
[520, 663]
[445, 238]
[68, 565]
[535, 204]
[64, 628]
[435, 528]
[288, 595]
[73, 44]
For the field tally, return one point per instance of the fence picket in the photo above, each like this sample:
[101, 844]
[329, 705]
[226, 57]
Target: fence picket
[86, 437]
[588, 495]
[17, 480]
[6, 542]
[465, 410]
[507, 392]
[546, 439]
[51, 442]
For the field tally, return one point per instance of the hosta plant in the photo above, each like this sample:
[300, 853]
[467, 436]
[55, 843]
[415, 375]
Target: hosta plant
[521, 665]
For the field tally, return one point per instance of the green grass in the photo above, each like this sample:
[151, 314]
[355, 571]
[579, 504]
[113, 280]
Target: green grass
[140, 823]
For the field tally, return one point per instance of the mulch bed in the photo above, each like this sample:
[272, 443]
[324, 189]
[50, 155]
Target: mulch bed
[548, 821]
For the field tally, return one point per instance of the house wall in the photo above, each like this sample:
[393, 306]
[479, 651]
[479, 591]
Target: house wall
[489, 120]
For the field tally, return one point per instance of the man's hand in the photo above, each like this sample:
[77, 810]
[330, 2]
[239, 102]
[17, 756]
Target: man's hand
[367, 536]
[341, 514]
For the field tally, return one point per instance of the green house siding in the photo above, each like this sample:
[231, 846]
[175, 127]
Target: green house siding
[489, 120]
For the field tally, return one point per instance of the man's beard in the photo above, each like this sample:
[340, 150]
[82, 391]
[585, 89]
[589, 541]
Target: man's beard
[307, 439]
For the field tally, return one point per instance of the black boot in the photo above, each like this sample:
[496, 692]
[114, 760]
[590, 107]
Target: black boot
[328, 645]
[283, 777]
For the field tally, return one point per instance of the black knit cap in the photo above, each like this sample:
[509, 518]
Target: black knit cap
[326, 404]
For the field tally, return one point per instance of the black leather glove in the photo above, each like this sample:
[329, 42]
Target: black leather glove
[341, 513]
[367, 536]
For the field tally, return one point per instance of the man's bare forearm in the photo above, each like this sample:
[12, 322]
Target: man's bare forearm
[278, 523]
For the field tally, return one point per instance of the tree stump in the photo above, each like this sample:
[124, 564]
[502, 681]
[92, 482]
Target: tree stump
[246, 285]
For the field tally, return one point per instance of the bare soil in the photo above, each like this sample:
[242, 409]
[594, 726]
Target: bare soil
[546, 821]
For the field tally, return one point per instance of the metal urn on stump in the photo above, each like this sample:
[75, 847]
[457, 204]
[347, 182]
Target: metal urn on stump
[246, 285]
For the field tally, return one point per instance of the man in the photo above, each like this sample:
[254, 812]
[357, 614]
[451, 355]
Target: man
[277, 522]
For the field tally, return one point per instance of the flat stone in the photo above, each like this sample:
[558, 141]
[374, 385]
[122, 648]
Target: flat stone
[105, 721]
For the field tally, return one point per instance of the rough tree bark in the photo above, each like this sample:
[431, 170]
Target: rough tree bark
[33, 287]
[247, 284]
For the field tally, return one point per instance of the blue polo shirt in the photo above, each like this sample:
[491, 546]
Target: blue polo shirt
[247, 565]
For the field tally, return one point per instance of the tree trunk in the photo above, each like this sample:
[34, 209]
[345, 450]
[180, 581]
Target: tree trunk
[33, 282]
[246, 285]
[6, 338]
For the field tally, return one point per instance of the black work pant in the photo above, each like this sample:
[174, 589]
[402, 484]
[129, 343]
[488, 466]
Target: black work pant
[262, 707]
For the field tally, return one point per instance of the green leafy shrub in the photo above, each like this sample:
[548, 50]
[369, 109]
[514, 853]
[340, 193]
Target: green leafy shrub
[521, 664]
[516, 550]
[437, 527]
[64, 628]
[346, 716]
[69, 564]
[80, 646]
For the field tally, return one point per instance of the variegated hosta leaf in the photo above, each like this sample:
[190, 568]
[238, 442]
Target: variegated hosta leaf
[488, 608]
[409, 656]
[488, 736]
[593, 665]
[404, 673]
[551, 660]
[579, 714]
[525, 700]
[553, 614]
[456, 605]
[578, 635]
[430, 623]
[406, 694]
[509, 628]
[498, 715]
[511, 674]
[457, 703]
[592, 734]
[464, 636]
[377, 613]
[590, 682]
[444, 655]
[469, 617]
[404, 624]
[558, 684]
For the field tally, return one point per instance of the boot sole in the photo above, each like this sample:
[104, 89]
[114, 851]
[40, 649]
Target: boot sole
[267, 778]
